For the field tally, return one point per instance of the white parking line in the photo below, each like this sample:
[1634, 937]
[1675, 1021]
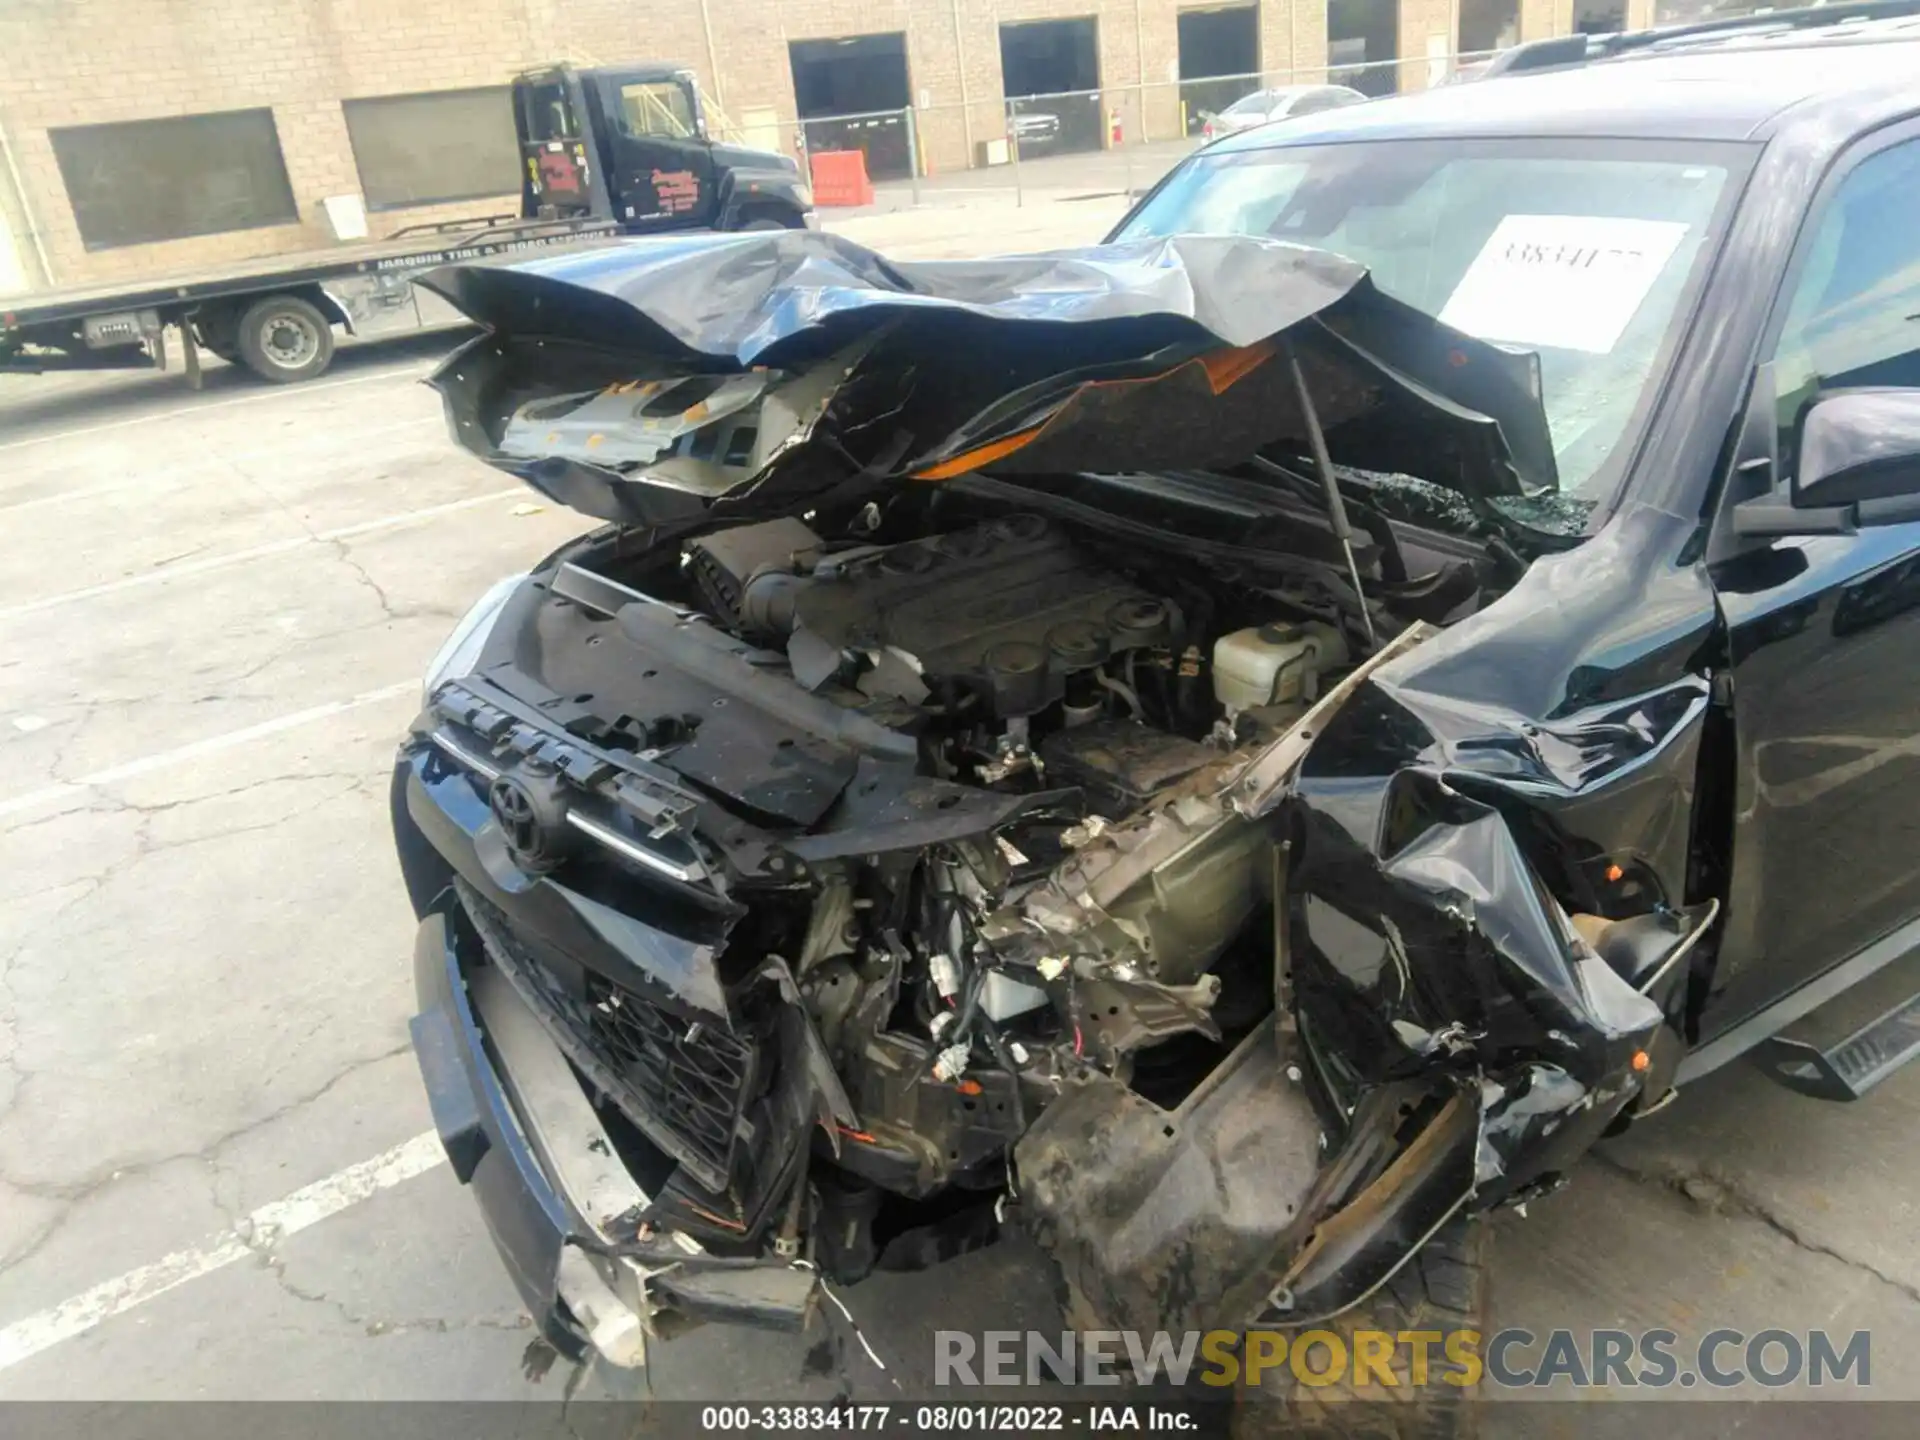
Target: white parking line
[257, 552]
[212, 745]
[256, 1234]
[253, 397]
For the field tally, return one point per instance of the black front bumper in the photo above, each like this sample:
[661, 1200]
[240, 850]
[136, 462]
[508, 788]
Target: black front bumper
[524, 1213]
[492, 1128]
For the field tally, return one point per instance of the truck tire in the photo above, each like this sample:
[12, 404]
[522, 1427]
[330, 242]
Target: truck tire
[284, 339]
[768, 218]
[1443, 1287]
[217, 329]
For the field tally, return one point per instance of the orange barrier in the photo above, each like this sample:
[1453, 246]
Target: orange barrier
[840, 178]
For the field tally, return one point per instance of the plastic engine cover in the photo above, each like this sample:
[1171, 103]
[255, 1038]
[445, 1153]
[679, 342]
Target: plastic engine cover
[1007, 609]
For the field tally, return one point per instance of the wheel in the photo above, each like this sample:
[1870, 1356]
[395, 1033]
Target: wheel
[766, 222]
[217, 330]
[1444, 1288]
[283, 339]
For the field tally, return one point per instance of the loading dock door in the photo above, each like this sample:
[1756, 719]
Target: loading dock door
[1601, 17]
[1219, 59]
[1051, 73]
[1364, 32]
[853, 95]
[1488, 25]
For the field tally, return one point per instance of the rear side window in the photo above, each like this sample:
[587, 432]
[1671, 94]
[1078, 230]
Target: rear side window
[1854, 316]
[145, 180]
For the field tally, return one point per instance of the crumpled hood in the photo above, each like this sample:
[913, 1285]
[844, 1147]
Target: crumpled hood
[652, 380]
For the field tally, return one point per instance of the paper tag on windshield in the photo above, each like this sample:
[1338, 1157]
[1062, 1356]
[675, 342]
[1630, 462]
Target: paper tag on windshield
[1568, 282]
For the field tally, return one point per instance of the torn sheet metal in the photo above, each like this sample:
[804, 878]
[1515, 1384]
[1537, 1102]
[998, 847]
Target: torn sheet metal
[778, 298]
[1154, 1217]
[1533, 763]
[808, 364]
[632, 422]
[1229, 1211]
[1485, 872]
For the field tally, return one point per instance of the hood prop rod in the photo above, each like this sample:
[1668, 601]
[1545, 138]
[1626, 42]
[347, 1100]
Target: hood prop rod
[1336, 507]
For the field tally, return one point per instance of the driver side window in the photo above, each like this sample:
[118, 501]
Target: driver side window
[656, 108]
[1854, 316]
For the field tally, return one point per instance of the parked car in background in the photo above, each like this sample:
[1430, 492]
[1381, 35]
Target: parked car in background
[1283, 102]
[1035, 131]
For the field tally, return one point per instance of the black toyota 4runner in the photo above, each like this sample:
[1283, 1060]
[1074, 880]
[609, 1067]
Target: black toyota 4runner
[1234, 750]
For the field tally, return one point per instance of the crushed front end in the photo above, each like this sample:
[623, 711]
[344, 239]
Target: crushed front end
[982, 776]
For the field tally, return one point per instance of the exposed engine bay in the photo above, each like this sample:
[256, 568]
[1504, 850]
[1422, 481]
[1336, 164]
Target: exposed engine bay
[934, 728]
[910, 832]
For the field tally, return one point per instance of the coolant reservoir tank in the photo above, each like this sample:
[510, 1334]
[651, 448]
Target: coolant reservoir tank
[1274, 664]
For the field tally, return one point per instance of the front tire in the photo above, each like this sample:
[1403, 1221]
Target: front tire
[284, 339]
[770, 220]
[1444, 1288]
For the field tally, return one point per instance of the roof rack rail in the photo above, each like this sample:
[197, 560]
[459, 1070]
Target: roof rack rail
[1564, 50]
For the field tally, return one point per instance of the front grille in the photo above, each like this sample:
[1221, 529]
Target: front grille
[692, 1076]
[682, 1084]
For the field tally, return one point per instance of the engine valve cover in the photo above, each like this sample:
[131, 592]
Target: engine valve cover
[1006, 609]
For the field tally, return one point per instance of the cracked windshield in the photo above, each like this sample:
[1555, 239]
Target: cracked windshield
[1579, 254]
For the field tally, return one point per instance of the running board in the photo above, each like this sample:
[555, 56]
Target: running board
[1850, 1069]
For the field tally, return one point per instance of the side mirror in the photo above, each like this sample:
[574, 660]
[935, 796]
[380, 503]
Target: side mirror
[1856, 462]
[1857, 448]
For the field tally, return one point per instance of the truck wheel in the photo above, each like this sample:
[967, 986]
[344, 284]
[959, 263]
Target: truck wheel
[217, 332]
[767, 221]
[1442, 1288]
[283, 339]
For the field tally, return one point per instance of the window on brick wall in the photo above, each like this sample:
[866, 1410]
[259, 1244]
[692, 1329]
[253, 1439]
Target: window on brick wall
[138, 181]
[438, 146]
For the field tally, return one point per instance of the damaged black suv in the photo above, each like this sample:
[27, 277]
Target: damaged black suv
[1229, 751]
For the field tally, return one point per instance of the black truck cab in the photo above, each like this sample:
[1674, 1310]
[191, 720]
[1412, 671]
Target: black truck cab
[630, 142]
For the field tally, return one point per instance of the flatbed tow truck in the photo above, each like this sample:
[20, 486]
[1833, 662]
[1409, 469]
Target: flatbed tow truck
[606, 152]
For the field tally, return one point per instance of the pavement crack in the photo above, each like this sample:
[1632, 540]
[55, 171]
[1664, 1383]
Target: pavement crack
[344, 553]
[76, 1191]
[373, 1326]
[18, 1074]
[160, 807]
[67, 738]
[39, 1241]
[1724, 1195]
[55, 817]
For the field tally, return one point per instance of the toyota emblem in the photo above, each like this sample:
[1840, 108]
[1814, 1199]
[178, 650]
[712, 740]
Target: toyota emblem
[530, 829]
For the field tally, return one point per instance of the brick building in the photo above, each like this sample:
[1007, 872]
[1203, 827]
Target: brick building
[269, 107]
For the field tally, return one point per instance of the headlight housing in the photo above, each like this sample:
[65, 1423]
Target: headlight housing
[460, 652]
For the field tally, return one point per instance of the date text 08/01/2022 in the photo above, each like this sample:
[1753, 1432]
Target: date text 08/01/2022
[948, 1419]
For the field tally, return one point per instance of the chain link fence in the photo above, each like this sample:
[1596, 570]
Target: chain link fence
[1075, 144]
